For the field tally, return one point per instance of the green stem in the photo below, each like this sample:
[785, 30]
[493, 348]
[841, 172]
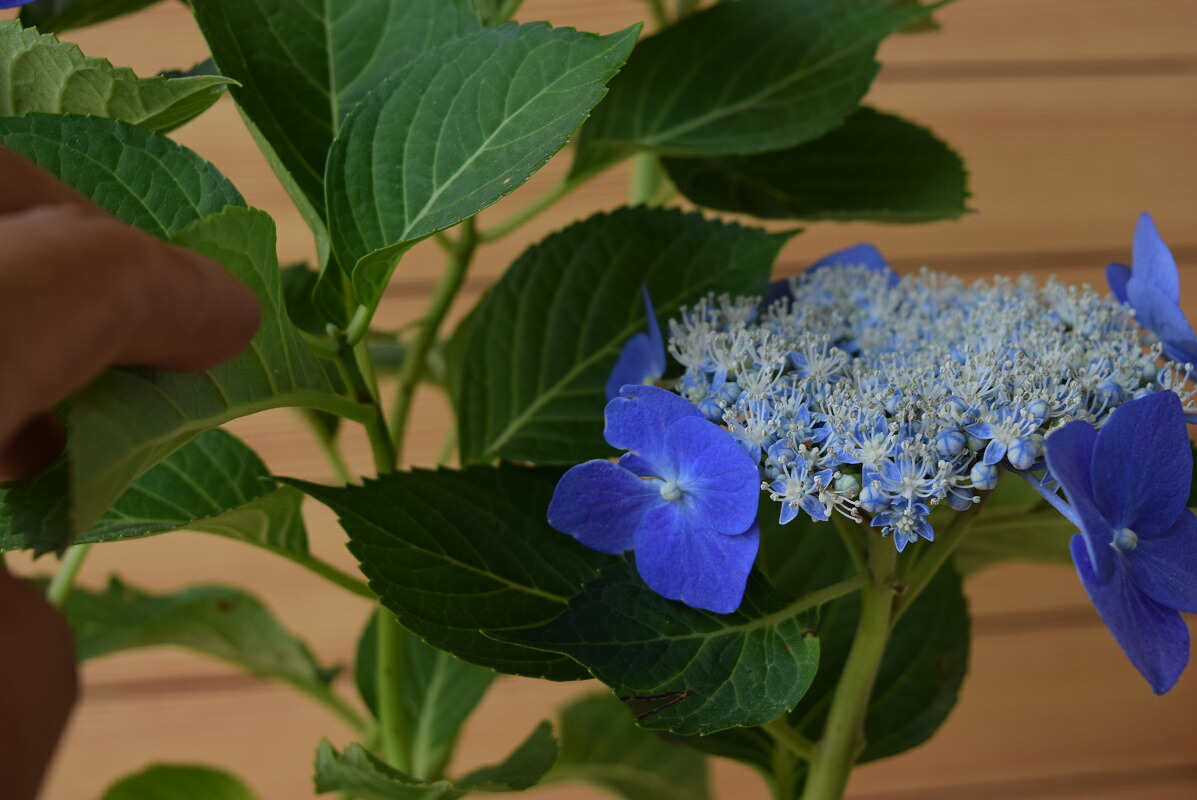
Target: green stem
[843, 735]
[446, 451]
[784, 773]
[333, 702]
[64, 579]
[850, 535]
[936, 555]
[532, 210]
[416, 358]
[785, 735]
[396, 744]
[508, 9]
[646, 179]
[657, 7]
[328, 446]
[333, 574]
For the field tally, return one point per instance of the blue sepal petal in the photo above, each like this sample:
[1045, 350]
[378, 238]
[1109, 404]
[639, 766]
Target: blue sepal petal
[1154, 637]
[601, 505]
[642, 360]
[1161, 316]
[858, 255]
[721, 482]
[1069, 451]
[1153, 261]
[1143, 465]
[638, 418]
[1165, 567]
[1117, 275]
[682, 559]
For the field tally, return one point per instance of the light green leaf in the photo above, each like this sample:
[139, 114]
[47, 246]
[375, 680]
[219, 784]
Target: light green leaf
[529, 370]
[214, 484]
[360, 773]
[226, 624]
[601, 745]
[439, 692]
[140, 177]
[41, 74]
[179, 782]
[304, 64]
[1040, 536]
[453, 132]
[454, 554]
[689, 671]
[739, 78]
[873, 167]
[55, 16]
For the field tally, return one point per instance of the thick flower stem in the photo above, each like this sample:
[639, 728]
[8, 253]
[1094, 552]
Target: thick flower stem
[843, 735]
[396, 742]
[64, 579]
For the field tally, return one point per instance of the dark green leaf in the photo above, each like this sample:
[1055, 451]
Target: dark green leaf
[304, 64]
[439, 693]
[739, 78]
[223, 623]
[601, 745]
[873, 167]
[535, 357]
[691, 671]
[55, 16]
[453, 132]
[360, 773]
[143, 178]
[299, 286]
[179, 782]
[454, 554]
[214, 484]
[45, 75]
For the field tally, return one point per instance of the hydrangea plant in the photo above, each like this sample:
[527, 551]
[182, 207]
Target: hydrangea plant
[732, 501]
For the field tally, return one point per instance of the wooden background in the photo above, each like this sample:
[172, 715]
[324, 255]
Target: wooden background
[1073, 115]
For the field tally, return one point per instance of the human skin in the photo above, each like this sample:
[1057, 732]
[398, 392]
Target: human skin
[80, 291]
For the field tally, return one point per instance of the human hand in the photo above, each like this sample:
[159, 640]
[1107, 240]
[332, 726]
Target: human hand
[81, 291]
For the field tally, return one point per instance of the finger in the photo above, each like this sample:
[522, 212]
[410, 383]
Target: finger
[24, 185]
[81, 292]
[32, 448]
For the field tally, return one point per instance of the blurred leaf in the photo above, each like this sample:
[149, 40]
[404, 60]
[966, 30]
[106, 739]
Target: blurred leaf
[739, 78]
[179, 782]
[214, 484]
[358, 772]
[439, 693]
[534, 359]
[453, 132]
[688, 671]
[45, 75]
[601, 745]
[455, 554]
[226, 624]
[140, 177]
[1040, 536]
[55, 16]
[875, 167]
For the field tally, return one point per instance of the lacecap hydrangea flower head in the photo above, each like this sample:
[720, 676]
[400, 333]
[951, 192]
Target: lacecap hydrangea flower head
[852, 391]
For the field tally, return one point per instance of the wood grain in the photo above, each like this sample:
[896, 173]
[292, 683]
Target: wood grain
[1073, 116]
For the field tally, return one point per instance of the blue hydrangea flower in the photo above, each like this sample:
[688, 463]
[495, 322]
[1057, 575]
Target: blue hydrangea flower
[642, 360]
[1137, 550]
[684, 499]
[858, 255]
[1152, 288]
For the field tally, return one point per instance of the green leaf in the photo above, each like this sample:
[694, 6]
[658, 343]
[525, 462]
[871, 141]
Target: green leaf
[453, 132]
[140, 177]
[1041, 536]
[45, 75]
[873, 167]
[226, 624]
[531, 367]
[214, 484]
[129, 419]
[601, 745]
[304, 64]
[179, 782]
[55, 16]
[454, 554]
[358, 772]
[739, 78]
[694, 672]
[439, 693]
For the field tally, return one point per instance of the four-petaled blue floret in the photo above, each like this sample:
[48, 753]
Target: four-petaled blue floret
[1137, 550]
[683, 498]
